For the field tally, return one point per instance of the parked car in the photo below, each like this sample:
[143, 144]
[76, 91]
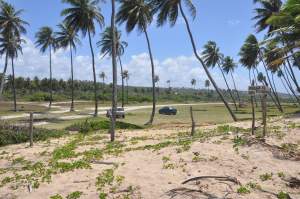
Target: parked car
[120, 113]
[168, 111]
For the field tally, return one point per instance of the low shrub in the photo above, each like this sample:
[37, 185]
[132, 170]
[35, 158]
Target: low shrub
[12, 134]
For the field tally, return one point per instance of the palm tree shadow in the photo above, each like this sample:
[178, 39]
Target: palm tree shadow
[190, 193]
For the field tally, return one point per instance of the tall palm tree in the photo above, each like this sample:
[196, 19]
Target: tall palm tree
[193, 83]
[68, 38]
[168, 10]
[207, 85]
[138, 14]
[229, 67]
[45, 39]
[11, 45]
[102, 76]
[126, 77]
[82, 16]
[212, 57]
[11, 25]
[106, 48]
[114, 69]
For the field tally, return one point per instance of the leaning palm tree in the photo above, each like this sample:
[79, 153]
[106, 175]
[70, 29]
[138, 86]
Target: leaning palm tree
[250, 56]
[81, 16]
[106, 48]
[138, 14]
[212, 57]
[45, 39]
[68, 38]
[11, 45]
[11, 24]
[229, 67]
[168, 10]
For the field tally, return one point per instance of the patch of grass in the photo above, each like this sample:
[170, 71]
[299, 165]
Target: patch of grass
[239, 141]
[243, 190]
[283, 195]
[75, 195]
[281, 174]
[67, 166]
[289, 147]
[266, 176]
[57, 196]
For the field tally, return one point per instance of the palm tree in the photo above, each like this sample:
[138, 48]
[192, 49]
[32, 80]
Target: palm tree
[114, 69]
[213, 57]
[157, 79]
[251, 55]
[126, 77]
[45, 39]
[168, 10]
[102, 76]
[263, 13]
[68, 38]
[11, 25]
[286, 85]
[229, 67]
[193, 83]
[207, 85]
[138, 14]
[268, 16]
[11, 45]
[106, 48]
[82, 16]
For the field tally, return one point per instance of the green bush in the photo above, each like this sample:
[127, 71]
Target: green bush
[11, 134]
[98, 124]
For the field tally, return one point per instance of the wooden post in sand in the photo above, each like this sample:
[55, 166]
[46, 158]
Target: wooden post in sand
[252, 93]
[193, 121]
[264, 112]
[31, 129]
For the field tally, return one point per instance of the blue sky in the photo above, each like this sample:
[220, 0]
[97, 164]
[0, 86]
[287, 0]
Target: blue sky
[226, 22]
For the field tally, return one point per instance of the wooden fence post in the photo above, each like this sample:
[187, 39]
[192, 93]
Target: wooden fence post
[264, 110]
[193, 121]
[31, 129]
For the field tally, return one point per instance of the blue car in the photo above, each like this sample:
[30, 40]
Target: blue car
[168, 111]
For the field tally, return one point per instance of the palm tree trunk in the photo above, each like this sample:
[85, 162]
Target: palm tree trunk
[290, 86]
[230, 93]
[13, 84]
[3, 76]
[51, 85]
[94, 75]
[203, 64]
[235, 88]
[292, 74]
[153, 80]
[273, 91]
[121, 66]
[72, 79]
[291, 96]
[115, 73]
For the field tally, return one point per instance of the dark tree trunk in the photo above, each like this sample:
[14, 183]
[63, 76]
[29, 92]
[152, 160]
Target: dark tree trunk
[72, 79]
[3, 76]
[203, 64]
[51, 85]
[292, 74]
[153, 80]
[121, 66]
[13, 84]
[230, 93]
[115, 73]
[94, 75]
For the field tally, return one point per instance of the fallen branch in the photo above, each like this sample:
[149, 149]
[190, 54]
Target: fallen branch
[220, 178]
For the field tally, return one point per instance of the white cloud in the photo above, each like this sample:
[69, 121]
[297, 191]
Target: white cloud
[180, 70]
